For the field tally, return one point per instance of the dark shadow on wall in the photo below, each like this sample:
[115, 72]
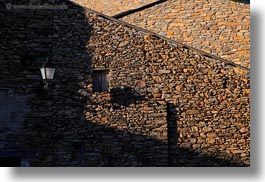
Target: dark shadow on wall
[55, 127]
[172, 117]
[107, 146]
[184, 156]
[29, 36]
[72, 57]
[125, 96]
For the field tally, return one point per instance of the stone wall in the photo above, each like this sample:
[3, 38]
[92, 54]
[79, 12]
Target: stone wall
[166, 105]
[12, 112]
[217, 27]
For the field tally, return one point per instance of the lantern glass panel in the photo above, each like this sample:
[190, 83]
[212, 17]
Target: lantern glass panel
[49, 73]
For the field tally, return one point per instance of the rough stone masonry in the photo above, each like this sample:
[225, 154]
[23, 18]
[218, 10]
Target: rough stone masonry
[219, 27]
[165, 105]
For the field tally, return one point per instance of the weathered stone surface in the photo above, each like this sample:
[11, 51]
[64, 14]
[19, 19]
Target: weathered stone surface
[141, 84]
[211, 135]
[221, 27]
[244, 130]
[190, 111]
[185, 145]
[112, 7]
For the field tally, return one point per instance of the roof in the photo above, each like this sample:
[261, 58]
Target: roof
[112, 7]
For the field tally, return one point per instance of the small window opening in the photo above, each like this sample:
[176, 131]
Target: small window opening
[100, 80]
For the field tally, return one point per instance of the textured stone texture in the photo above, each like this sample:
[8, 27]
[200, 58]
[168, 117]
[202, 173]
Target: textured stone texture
[166, 105]
[112, 7]
[220, 27]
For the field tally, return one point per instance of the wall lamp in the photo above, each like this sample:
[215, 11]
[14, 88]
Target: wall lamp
[47, 73]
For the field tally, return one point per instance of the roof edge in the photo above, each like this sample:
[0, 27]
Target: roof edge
[132, 11]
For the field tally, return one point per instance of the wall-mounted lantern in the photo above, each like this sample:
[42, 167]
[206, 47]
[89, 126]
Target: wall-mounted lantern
[47, 73]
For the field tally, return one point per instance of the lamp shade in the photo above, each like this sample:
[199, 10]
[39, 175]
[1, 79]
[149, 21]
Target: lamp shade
[47, 73]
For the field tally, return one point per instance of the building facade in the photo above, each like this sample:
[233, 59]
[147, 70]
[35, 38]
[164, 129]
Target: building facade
[121, 95]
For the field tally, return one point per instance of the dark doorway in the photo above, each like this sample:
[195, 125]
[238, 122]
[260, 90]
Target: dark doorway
[79, 153]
